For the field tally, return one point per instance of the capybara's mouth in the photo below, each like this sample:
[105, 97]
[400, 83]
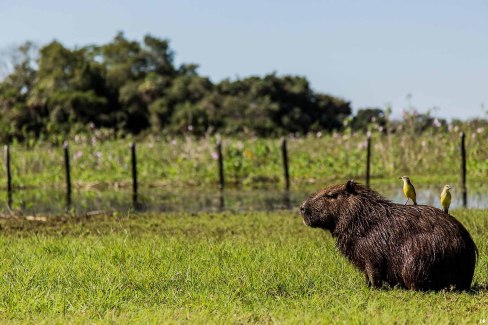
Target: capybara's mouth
[306, 220]
[303, 214]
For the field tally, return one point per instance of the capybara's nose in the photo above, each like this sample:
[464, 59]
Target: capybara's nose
[302, 208]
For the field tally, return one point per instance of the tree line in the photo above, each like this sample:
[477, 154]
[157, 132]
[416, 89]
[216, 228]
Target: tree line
[134, 86]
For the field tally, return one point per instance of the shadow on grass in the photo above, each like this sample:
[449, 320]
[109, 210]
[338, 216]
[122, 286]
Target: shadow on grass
[478, 288]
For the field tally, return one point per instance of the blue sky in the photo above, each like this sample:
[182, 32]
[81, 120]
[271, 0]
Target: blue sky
[373, 53]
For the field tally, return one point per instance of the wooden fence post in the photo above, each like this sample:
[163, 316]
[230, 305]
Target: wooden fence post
[67, 169]
[284, 153]
[464, 190]
[221, 200]
[9, 176]
[368, 159]
[221, 164]
[134, 175]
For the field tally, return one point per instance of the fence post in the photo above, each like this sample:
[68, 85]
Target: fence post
[134, 174]
[464, 190]
[221, 200]
[287, 200]
[9, 176]
[67, 169]
[221, 164]
[284, 153]
[368, 159]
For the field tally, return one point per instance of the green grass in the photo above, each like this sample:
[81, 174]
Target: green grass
[207, 268]
[248, 161]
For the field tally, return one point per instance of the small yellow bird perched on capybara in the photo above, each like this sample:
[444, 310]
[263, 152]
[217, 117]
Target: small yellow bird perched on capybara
[409, 190]
[416, 247]
[446, 198]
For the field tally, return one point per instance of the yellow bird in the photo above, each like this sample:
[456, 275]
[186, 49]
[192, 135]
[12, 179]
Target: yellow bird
[446, 198]
[409, 190]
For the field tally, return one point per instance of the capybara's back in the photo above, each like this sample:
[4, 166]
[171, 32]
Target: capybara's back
[416, 247]
[435, 251]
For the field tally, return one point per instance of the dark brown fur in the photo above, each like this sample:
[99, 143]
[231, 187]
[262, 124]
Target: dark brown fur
[415, 246]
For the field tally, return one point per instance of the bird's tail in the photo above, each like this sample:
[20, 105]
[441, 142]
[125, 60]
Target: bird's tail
[415, 202]
[446, 210]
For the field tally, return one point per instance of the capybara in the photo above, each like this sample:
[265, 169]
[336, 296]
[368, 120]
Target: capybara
[411, 246]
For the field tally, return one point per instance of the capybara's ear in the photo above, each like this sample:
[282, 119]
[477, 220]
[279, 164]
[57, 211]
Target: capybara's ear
[350, 185]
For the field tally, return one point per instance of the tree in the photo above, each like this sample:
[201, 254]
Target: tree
[68, 87]
[366, 117]
[131, 86]
[16, 119]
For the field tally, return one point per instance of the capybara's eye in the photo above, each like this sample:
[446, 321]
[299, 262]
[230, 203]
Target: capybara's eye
[331, 195]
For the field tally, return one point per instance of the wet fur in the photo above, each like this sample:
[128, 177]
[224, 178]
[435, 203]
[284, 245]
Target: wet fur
[415, 246]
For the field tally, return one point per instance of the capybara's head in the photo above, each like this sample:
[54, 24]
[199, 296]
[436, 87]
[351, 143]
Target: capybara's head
[323, 208]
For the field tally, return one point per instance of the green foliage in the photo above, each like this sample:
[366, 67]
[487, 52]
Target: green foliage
[100, 161]
[208, 268]
[415, 122]
[131, 87]
[279, 105]
[368, 116]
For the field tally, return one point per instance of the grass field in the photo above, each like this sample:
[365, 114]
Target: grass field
[207, 268]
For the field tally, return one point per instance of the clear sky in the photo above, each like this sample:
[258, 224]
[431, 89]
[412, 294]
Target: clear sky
[372, 53]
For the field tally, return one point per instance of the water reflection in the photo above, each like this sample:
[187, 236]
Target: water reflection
[207, 200]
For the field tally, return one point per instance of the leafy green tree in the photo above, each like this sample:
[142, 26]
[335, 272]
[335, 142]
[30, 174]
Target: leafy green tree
[16, 119]
[276, 105]
[366, 117]
[130, 87]
[136, 75]
[65, 87]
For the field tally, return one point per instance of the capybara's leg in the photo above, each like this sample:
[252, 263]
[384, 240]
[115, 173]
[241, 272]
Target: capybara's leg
[373, 275]
[366, 277]
[412, 277]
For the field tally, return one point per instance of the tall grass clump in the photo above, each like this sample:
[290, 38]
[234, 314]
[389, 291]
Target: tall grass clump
[249, 161]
